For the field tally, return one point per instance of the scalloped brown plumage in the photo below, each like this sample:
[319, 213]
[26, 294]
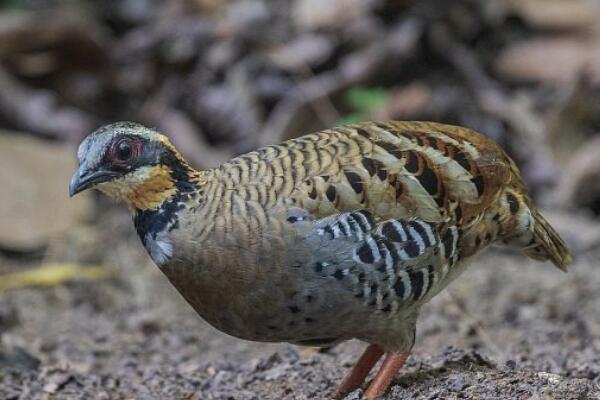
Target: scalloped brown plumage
[339, 234]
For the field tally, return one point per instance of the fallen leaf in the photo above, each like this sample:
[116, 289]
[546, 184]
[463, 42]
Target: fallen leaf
[328, 14]
[406, 102]
[556, 14]
[308, 50]
[52, 275]
[550, 60]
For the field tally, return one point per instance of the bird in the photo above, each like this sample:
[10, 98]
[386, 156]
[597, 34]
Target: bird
[336, 235]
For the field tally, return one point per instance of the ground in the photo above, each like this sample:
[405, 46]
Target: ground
[508, 328]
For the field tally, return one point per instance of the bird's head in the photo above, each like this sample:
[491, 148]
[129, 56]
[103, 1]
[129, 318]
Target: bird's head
[131, 163]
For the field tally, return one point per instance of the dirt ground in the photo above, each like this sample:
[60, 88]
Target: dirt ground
[509, 328]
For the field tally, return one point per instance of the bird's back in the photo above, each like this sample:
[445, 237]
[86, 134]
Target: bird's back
[413, 170]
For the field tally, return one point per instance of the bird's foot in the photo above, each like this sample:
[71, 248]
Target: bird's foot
[382, 380]
[384, 377]
[361, 369]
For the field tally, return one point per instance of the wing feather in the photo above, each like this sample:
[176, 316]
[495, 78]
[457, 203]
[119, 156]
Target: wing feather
[405, 170]
[383, 263]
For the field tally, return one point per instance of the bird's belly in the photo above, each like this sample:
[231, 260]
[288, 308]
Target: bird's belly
[289, 308]
[285, 307]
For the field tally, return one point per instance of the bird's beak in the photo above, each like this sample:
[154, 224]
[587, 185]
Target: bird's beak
[84, 179]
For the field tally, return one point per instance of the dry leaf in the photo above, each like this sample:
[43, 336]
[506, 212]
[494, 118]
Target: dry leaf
[405, 102]
[550, 60]
[556, 14]
[328, 14]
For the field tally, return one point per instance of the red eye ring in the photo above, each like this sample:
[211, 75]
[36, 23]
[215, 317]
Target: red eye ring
[124, 150]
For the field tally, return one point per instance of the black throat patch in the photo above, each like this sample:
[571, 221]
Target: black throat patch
[149, 223]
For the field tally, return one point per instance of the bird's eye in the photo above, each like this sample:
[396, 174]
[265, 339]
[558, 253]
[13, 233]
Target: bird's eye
[123, 150]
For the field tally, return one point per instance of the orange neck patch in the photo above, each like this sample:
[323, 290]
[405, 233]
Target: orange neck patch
[145, 189]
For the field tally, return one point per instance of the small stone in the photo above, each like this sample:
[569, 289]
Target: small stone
[510, 364]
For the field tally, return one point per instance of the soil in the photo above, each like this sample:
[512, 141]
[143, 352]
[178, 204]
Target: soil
[509, 328]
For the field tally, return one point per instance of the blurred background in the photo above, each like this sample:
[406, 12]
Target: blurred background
[83, 312]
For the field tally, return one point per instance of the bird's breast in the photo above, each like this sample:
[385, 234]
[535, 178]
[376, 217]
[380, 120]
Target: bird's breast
[233, 280]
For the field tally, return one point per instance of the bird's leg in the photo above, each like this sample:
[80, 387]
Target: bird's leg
[361, 369]
[391, 364]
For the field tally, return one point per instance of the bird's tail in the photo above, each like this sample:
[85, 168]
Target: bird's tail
[547, 244]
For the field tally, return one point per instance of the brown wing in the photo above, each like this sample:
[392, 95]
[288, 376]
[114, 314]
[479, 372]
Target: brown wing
[433, 172]
[430, 171]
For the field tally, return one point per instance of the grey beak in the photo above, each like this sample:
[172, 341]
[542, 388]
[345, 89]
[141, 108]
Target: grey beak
[78, 182]
[84, 179]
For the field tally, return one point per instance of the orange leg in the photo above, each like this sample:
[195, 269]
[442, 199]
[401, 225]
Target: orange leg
[359, 372]
[391, 364]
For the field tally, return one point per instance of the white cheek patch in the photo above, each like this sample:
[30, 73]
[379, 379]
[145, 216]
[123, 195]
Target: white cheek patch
[160, 249]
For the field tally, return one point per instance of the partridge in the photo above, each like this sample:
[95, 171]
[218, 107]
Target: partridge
[340, 234]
